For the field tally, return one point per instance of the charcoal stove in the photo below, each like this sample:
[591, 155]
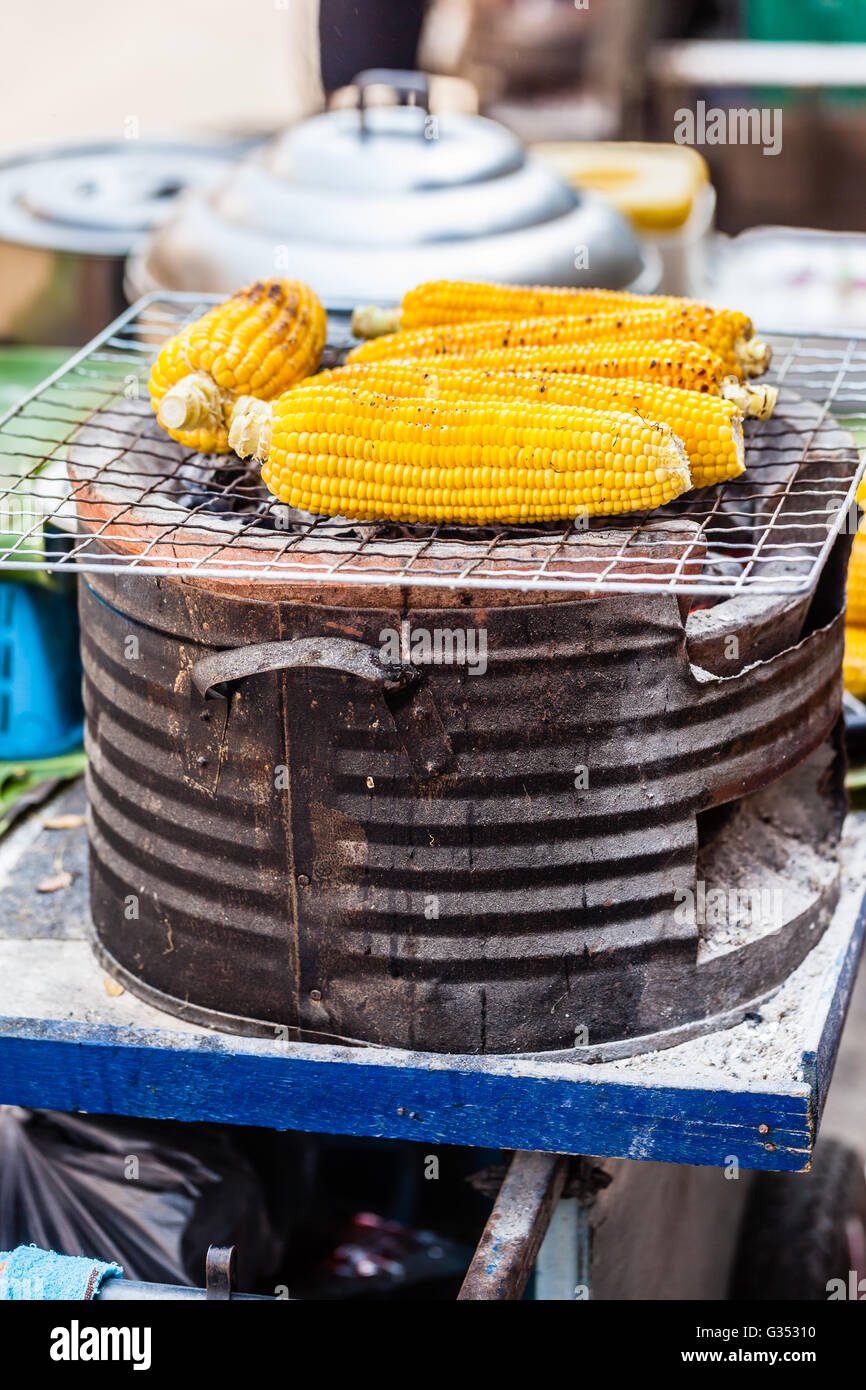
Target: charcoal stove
[611, 824]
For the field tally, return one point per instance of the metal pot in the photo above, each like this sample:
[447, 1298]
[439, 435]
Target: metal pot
[366, 203]
[68, 219]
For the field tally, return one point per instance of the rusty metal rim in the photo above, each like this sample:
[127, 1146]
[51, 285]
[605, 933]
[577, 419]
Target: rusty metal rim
[212, 1018]
[264, 607]
[156, 555]
[665, 1038]
[587, 1056]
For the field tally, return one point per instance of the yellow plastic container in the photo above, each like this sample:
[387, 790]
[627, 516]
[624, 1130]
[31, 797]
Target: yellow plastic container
[664, 189]
[655, 185]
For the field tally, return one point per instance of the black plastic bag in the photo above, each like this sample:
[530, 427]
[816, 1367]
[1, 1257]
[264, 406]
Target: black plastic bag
[148, 1194]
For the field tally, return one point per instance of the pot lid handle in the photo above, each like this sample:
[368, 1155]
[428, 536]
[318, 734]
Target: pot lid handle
[404, 83]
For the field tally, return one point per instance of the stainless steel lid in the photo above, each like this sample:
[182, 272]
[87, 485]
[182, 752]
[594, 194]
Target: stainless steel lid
[99, 199]
[399, 149]
[366, 203]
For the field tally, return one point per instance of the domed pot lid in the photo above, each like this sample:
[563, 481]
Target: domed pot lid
[365, 203]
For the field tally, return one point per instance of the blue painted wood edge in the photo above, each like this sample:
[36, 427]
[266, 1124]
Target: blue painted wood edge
[818, 1062]
[486, 1102]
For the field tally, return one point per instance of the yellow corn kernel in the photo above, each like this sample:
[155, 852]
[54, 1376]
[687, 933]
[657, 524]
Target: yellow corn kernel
[710, 428]
[257, 343]
[372, 458]
[718, 330]
[856, 613]
[854, 661]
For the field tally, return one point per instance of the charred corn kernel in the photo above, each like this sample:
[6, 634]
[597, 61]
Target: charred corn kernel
[257, 343]
[718, 330]
[856, 613]
[854, 661]
[710, 428]
[374, 458]
[460, 301]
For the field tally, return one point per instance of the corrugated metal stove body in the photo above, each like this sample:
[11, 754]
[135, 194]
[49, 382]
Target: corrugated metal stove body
[485, 859]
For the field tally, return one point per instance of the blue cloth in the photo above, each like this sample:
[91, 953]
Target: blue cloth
[31, 1273]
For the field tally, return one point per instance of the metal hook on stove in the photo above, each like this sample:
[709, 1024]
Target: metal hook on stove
[214, 673]
[220, 1271]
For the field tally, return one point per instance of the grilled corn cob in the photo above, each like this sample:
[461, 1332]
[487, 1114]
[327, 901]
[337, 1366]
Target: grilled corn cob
[854, 661]
[711, 429]
[462, 301]
[259, 342]
[693, 323]
[459, 301]
[687, 366]
[690, 366]
[856, 613]
[372, 457]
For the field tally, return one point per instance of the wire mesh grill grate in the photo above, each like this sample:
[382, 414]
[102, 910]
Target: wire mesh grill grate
[89, 481]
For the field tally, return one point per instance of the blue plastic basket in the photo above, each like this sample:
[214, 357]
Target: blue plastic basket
[41, 714]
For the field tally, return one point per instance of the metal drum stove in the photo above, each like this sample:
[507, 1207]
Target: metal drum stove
[502, 792]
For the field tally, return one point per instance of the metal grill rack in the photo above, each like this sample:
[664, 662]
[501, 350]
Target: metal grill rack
[89, 481]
